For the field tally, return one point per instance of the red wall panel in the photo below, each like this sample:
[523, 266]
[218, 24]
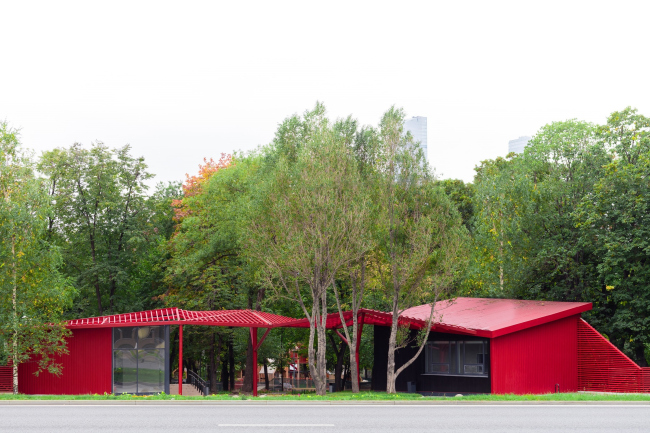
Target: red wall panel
[534, 360]
[86, 369]
[602, 367]
[6, 382]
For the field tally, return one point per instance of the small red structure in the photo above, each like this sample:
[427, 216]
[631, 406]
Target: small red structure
[475, 346]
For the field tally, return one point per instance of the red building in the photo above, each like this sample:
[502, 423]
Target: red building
[495, 346]
[476, 346]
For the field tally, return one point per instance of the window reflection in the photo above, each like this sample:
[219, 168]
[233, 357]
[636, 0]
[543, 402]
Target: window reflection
[139, 359]
[456, 357]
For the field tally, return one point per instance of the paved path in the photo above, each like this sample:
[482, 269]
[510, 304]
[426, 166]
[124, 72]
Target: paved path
[188, 390]
[287, 418]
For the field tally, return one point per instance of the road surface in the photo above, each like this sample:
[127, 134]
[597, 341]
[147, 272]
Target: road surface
[287, 418]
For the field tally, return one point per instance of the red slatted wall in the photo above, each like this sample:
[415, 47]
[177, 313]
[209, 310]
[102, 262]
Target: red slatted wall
[86, 369]
[534, 360]
[602, 367]
[5, 378]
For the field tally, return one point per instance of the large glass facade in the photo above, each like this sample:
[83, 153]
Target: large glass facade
[141, 359]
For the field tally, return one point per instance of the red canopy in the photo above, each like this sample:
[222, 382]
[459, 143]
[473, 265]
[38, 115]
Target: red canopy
[177, 316]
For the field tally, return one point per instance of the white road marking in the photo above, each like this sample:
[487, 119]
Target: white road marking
[275, 425]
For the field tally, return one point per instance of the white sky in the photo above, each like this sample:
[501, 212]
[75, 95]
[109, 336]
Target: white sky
[180, 81]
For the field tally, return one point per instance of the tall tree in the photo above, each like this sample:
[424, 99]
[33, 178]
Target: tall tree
[310, 221]
[615, 219]
[100, 195]
[420, 236]
[33, 294]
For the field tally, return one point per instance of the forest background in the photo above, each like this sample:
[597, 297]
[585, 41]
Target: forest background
[82, 235]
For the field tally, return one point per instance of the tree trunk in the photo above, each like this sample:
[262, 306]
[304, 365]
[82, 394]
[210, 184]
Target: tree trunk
[266, 375]
[392, 343]
[311, 352]
[640, 356]
[231, 362]
[321, 385]
[339, 352]
[14, 295]
[247, 386]
[224, 372]
[213, 366]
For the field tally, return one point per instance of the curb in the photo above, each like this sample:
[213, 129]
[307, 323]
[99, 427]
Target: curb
[311, 403]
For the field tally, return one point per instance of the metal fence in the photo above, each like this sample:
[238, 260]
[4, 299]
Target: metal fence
[602, 367]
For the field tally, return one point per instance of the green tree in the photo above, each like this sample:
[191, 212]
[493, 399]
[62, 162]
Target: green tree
[33, 294]
[615, 219]
[310, 220]
[421, 240]
[100, 214]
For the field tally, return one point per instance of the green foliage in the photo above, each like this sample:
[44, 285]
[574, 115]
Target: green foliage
[615, 217]
[107, 226]
[33, 293]
[568, 221]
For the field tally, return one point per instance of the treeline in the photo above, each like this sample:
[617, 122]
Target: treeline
[330, 216]
[568, 220]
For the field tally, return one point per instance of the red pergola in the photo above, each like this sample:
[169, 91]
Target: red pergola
[176, 316]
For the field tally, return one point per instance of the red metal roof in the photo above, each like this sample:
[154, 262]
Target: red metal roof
[495, 317]
[474, 316]
[177, 316]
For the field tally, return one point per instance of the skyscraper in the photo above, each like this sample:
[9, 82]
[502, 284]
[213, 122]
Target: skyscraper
[518, 144]
[417, 126]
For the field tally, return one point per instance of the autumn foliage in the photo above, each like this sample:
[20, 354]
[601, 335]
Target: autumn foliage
[193, 185]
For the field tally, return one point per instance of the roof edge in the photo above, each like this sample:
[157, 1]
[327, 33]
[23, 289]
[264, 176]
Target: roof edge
[578, 309]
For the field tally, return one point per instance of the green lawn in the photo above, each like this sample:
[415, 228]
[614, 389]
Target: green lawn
[363, 396]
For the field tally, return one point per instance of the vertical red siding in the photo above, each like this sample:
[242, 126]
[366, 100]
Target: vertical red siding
[605, 368]
[533, 360]
[86, 369]
[6, 382]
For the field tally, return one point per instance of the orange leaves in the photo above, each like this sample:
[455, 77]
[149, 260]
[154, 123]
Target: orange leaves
[193, 185]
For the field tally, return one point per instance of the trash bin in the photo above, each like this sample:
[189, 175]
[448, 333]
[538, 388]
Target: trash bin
[410, 387]
[331, 387]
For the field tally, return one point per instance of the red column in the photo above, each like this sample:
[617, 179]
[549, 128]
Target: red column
[180, 360]
[255, 370]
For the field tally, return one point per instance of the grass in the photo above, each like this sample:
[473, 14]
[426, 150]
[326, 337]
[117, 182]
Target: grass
[346, 396]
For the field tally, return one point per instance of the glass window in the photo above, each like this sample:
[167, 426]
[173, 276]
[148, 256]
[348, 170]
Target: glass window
[439, 352]
[151, 370]
[139, 359]
[456, 357]
[473, 352]
[125, 337]
[125, 371]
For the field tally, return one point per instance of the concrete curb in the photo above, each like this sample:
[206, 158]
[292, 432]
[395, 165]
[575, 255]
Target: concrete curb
[310, 403]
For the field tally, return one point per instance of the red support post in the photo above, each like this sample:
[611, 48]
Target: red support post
[254, 369]
[180, 360]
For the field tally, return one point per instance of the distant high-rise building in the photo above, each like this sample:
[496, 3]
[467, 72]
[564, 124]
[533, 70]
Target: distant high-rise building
[417, 126]
[518, 144]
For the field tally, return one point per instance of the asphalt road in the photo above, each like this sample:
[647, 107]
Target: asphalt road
[357, 419]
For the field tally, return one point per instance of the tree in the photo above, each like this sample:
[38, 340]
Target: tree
[310, 220]
[33, 294]
[99, 214]
[420, 236]
[615, 218]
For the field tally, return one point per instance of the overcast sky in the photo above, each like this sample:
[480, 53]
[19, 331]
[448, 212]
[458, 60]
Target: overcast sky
[181, 81]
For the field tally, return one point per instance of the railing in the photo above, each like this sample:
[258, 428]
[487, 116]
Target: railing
[203, 386]
[6, 377]
[602, 367]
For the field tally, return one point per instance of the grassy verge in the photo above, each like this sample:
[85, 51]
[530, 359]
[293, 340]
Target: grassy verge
[346, 396]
